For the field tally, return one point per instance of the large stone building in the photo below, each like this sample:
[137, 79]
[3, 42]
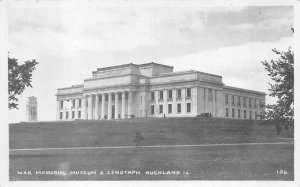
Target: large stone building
[154, 90]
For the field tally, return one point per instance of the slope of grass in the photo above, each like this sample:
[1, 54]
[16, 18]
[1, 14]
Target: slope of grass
[155, 131]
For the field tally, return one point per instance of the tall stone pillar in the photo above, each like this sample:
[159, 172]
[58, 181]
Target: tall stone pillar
[216, 103]
[165, 95]
[90, 109]
[97, 107]
[183, 107]
[213, 103]
[174, 111]
[123, 104]
[116, 105]
[109, 106]
[83, 111]
[57, 110]
[103, 106]
[76, 108]
[130, 103]
[206, 99]
[229, 106]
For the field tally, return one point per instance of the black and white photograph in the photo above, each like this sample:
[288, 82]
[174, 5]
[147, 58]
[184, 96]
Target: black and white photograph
[150, 91]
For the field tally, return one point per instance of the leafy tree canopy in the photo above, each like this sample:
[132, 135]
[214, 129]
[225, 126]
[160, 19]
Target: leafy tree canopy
[281, 72]
[19, 77]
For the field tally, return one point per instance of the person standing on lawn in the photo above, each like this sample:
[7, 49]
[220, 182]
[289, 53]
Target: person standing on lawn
[138, 138]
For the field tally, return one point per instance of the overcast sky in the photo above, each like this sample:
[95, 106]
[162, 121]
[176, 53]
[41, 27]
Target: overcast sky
[71, 40]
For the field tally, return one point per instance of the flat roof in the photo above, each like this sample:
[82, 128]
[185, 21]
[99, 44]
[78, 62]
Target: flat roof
[70, 87]
[242, 89]
[132, 64]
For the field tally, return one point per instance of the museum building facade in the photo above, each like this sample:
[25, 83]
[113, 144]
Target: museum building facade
[154, 90]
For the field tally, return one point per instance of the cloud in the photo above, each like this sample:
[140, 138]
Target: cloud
[239, 65]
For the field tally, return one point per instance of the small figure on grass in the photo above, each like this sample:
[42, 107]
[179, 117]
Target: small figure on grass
[138, 138]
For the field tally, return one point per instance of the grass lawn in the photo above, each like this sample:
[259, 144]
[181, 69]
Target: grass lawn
[236, 162]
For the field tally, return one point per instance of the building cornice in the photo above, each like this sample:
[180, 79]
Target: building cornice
[242, 90]
[71, 87]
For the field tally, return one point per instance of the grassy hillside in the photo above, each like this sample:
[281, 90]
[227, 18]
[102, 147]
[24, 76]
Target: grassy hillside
[234, 162]
[155, 131]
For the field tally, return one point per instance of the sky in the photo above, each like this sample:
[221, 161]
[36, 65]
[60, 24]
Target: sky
[71, 40]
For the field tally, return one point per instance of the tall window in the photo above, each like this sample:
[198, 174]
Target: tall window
[179, 93]
[161, 109]
[79, 114]
[161, 94]
[255, 115]
[67, 115]
[232, 100]
[73, 114]
[188, 92]
[73, 102]
[233, 112]
[60, 115]
[244, 102]
[152, 96]
[61, 104]
[245, 114]
[152, 109]
[255, 103]
[79, 102]
[250, 112]
[226, 99]
[250, 102]
[169, 108]
[239, 101]
[170, 94]
[227, 112]
[239, 113]
[188, 107]
[178, 108]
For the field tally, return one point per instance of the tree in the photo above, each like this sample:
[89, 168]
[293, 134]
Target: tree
[19, 77]
[281, 72]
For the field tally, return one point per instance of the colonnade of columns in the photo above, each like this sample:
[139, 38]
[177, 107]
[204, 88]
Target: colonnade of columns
[107, 105]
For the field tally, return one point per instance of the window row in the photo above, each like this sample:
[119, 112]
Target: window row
[256, 115]
[257, 103]
[67, 115]
[170, 94]
[170, 108]
[73, 103]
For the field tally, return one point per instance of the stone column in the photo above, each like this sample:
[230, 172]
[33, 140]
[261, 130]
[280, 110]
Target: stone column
[165, 106]
[206, 99]
[90, 109]
[116, 105]
[229, 106]
[57, 110]
[213, 102]
[97, 107]
[174, 111]
[183, 105]
[103, 106]
[216, 103]
[83, 110]
[129, 103]
[76, 109]
[109, 106]
[156, 106]
[123, 105]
